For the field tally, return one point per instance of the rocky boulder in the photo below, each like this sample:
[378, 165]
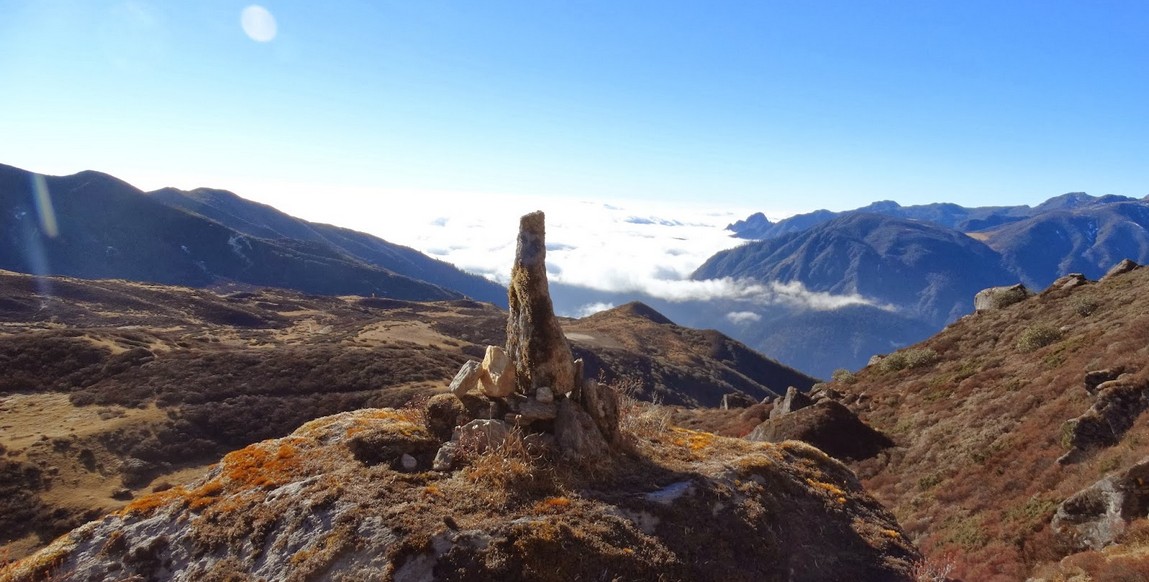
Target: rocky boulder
[1121, 268]
[999, 297]
[792, 401]
[1119, 402]
[1096, 516]
[828, 425]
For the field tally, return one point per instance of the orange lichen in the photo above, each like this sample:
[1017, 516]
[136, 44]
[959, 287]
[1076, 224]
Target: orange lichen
[256, 466]
[693, 439]
[827, 487]
[552, 505]
[149, 503]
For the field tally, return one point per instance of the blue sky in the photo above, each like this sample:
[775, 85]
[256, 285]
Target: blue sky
[776, 106]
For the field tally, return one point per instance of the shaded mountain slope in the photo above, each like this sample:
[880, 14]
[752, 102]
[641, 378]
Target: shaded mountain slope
[682, 506]
[980, 417]
[687, 366]
[926, 271]
[100, 223]
[262, 221]
[112, 385]
[1077, 237]
[824, 341]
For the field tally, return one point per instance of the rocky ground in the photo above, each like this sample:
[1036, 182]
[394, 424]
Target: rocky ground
[1019, 434]
[676, 505]
[113, 389]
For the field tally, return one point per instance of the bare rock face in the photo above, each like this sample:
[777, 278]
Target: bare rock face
[467, 378]
[1119, 402]
[535, 341]
[794, 400]
[1121, 268]
[1096, 516]
[999, 297]
[499, 377]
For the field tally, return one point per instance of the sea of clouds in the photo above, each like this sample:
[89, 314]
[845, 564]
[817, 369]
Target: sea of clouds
[607, 251]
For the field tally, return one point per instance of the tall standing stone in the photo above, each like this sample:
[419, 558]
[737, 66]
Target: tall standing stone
[535, 341]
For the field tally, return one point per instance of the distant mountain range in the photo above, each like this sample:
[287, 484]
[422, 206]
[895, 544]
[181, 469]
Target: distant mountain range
[919, 263]
[106, 228]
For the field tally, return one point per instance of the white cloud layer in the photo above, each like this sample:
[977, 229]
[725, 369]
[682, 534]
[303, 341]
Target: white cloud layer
[617, 247]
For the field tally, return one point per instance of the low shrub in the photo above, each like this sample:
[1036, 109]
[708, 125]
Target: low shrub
[1085, 306]
[908, 359]
[844, 376]
[1037, 336]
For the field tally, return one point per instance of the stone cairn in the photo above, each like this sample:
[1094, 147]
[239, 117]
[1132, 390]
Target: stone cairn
[533, 384]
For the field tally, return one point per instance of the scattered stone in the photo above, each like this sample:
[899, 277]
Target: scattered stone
[1121, 268]
[544, 394]
[1096, 517]
[122, 494]
[445, 457]
[467, 379]
[535, 341]
[499, 378]
[794, 400]
[408, 462]
[999, 297]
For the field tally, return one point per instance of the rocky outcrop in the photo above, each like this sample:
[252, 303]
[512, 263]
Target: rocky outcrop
[1097, 516]
[306, 507]
[535, 385]
[999, 297]
[1121, 268]
[828, 425]
[1069, 281]
[792, 401]
[1119, 401]
[535, 341]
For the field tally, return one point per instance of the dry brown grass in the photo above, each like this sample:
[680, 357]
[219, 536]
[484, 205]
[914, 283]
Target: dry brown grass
[978, 430]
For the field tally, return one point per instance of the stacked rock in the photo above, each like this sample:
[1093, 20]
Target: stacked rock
[534, 383]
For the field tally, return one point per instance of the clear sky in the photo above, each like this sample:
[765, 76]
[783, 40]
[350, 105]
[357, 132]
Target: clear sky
[771, 105]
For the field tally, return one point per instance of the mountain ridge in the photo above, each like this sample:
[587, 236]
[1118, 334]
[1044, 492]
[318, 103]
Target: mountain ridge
[98, 221]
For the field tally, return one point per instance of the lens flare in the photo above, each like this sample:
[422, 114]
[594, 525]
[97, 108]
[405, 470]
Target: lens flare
[258, 23]
[44, 209]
